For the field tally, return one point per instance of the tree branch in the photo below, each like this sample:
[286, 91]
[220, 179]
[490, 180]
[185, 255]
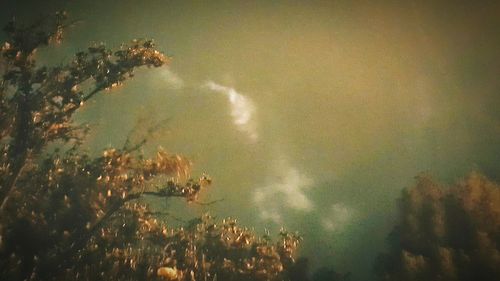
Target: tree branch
[209, 202]
[12, 187]
[82, 240]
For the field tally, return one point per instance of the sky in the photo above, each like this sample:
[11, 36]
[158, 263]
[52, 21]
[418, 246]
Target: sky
[313, 116]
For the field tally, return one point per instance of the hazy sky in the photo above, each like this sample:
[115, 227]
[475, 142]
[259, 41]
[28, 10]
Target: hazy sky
[309, 115]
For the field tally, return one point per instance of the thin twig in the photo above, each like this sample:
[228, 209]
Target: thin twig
[167, 214]
[12, 187]
[208, 203]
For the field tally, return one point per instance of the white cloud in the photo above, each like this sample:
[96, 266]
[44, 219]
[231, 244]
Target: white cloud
[288, 191]
[271, 215]
[292, 186]
[172, 79]
[242, 109]
[337, 218]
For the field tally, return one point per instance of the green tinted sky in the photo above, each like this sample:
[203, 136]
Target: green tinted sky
[310, 115]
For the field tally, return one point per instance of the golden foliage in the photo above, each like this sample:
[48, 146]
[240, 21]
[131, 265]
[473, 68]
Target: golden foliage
[66, 215]
[446, 233]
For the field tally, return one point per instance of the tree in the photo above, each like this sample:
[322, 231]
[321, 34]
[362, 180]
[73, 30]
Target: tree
[445, 233]
[66, 215]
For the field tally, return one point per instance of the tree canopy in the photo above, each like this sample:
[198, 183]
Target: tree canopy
[67, 215]
[445, 232]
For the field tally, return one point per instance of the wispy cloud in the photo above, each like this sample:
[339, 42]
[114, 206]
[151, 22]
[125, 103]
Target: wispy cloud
[242, 109]
[288, 191]
[271, 215]
[172, 79]
[337, 217]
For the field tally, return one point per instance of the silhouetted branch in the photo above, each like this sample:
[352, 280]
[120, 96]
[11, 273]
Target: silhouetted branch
[209, 203]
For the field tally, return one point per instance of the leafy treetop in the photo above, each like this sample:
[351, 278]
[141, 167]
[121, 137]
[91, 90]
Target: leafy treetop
[66, 215]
